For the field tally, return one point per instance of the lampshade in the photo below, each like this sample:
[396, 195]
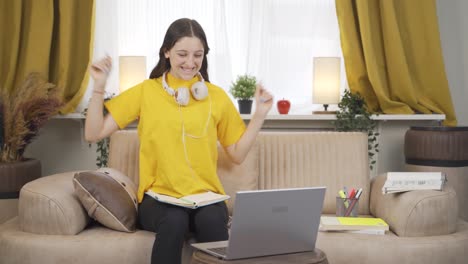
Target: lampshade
[132, 70]
[326, 85]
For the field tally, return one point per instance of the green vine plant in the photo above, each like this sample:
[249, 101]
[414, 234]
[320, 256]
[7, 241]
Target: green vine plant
[102, 148]
[353, 115]
[103, 152]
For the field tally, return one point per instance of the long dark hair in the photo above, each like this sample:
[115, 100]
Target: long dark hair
[180, 28]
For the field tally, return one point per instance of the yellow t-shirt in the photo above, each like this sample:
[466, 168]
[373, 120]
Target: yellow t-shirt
[165, 168]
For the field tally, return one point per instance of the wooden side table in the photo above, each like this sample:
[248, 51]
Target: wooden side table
[310, 257]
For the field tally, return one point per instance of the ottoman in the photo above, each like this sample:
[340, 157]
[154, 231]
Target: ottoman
[443, 149]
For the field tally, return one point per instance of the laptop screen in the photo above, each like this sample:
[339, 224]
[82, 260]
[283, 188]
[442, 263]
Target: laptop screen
[268, 222]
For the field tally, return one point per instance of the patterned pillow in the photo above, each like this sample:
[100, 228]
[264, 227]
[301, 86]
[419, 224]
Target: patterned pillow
[109, 197]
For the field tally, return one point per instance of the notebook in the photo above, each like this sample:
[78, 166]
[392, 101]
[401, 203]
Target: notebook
[271, 222]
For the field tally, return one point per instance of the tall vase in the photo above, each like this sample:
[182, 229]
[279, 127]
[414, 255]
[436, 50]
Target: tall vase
[245, 106]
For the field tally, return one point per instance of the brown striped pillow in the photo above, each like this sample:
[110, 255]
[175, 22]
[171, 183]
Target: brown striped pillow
[109, 197]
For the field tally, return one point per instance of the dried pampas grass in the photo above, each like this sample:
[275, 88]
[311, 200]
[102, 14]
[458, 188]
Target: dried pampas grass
[25, 110]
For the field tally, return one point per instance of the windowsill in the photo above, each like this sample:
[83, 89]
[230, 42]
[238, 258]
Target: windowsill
[383, 117]
[312, 117]
[312, 121]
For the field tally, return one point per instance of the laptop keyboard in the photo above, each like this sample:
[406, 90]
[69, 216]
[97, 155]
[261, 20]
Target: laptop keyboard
[221, 250]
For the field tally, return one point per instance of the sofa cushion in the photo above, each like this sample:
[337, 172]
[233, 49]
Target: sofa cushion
[321, 158]
[96, 244]
[47, 206]
[124, 154]
[109, 197]
[415, 213]
[243, 177]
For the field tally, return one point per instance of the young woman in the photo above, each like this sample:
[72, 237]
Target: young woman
[181, 117]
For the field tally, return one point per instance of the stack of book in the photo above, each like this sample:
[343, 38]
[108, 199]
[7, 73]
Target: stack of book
[410, 181]
[361, 225]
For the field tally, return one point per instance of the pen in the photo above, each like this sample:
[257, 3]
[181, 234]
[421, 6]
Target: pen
[358, 194]
[343, 196]
[356, 198]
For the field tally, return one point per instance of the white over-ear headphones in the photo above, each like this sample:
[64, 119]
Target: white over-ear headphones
[182, 96]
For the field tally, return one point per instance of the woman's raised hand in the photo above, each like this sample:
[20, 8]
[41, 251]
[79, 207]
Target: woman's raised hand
[100, 70]
[264, 100]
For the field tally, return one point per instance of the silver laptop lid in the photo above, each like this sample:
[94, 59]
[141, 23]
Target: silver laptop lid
[269, 222]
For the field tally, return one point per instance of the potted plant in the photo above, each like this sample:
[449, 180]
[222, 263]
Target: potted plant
[23, 111]
[102, 149]
[353, 115]
[243, 89]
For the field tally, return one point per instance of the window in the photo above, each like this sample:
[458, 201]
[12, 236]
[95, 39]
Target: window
[275, 40]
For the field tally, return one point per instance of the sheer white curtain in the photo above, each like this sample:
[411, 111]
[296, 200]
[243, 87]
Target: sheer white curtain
[275, 40]
[105, 43]
[284, 37]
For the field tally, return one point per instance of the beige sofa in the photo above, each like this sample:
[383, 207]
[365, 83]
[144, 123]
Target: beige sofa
[52, 227]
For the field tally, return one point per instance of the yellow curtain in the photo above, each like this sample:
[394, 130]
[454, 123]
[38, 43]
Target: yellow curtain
[393, 56]
[50, 37]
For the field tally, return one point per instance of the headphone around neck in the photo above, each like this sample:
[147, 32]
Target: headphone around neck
[182, 96]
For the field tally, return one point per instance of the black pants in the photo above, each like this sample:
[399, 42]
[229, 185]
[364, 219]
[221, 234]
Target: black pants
[172, 223]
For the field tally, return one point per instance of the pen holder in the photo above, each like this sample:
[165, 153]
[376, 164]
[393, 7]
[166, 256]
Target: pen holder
[347, 207]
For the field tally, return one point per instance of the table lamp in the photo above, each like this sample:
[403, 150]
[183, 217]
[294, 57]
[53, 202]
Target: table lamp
[132, 70]
[326, 84]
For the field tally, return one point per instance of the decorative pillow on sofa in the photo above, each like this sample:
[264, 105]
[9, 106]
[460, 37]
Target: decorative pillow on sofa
[109, 196]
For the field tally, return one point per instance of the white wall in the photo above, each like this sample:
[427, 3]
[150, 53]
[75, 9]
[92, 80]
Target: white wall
[61, 147]
[453, 26]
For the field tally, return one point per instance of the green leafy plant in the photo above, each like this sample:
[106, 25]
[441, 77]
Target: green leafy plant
[353, 115]
[103, 152]
[244, 87]
[23, 112]
[102, 146]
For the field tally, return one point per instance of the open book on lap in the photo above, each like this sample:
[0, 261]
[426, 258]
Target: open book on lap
[192, 201]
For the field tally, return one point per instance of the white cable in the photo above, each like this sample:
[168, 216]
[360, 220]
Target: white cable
[192, 136]
[206, 124]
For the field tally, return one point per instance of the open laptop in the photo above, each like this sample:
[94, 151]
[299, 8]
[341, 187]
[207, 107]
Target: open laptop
[271, 222]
